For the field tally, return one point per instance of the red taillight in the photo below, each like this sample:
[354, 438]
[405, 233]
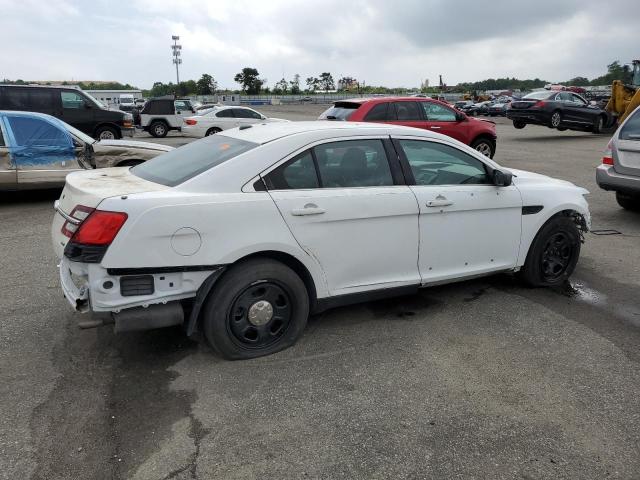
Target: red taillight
[190, 121]
[80, 213]
[539, 104]
[100, 228]
[607, 157]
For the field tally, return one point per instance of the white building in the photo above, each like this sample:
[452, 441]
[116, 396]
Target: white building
[112, 97]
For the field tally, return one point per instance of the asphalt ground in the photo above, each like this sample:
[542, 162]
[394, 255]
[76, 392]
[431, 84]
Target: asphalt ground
[484, 379]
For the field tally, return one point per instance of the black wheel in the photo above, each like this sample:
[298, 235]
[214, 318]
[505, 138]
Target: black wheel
[598, 124]
[259, 307]
[554, 253]
[484, 146]
[628, 202]
[519, 124]
[158, 129]
[212, 131]
[107, 133]
[556, 119]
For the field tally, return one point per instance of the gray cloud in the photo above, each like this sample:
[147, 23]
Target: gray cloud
[382, 42]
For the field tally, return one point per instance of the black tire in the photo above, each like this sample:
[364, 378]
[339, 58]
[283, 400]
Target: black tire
[628, 202]
[519, 124]
[598, 124]
[158, 129]
[485, 146]
[130, 163]
[556, 119]
[212, 131]
[553, 254]
[238, 294]
[107, 133]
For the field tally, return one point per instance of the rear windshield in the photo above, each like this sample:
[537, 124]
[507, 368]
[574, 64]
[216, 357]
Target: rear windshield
[538, 95]
[340, 111]
[179, 165]
[631, 129]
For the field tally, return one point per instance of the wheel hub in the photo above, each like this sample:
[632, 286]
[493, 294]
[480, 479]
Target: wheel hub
[260, 313]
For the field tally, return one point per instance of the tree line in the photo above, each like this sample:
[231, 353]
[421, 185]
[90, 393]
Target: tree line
[251, 83]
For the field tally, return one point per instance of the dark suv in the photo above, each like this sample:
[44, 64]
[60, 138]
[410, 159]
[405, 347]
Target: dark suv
[70, 105]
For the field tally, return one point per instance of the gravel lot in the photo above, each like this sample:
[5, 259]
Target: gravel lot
[481, 379]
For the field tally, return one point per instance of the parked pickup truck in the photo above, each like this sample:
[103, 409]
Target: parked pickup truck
[38, 151]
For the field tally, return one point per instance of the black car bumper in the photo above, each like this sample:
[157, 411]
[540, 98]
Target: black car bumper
[537, 118]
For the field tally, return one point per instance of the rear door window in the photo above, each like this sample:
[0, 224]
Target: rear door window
[631, 129]
[379, 113]
[407, 111]
[16, 99]
[227, 113]
[179, 165]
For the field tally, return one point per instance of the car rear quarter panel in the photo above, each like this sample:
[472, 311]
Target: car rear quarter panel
[229, 226]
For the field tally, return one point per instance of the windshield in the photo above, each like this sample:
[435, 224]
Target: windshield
[538, 95]
[80, 135]
[179, 165]
[340, 111]
[126, 100]
[97, 102]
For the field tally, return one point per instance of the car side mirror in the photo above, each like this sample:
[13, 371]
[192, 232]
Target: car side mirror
[193, 110]
[87, 106]
[502, 178]
[460, 117]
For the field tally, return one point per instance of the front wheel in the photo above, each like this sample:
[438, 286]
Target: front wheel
[484, 146]
[106, 133]
[259, 307]
[519, 124]
[553, 254]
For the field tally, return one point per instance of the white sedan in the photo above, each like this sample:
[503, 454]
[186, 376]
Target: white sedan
[217, 119]
[243, 234]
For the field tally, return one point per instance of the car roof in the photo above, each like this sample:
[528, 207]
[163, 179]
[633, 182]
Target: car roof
[262, 133]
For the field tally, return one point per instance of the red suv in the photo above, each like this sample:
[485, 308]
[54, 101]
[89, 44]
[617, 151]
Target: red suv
[425, 113]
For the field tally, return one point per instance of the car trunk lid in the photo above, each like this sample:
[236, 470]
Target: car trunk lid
[84, 191]
[523, 104]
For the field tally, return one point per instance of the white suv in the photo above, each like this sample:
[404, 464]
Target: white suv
[244, 233]
[160, 115]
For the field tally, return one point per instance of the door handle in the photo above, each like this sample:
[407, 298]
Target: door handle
[439, 203]
[309, 209]
[435, 128]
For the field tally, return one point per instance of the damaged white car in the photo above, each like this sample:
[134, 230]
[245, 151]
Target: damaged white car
[243, 234]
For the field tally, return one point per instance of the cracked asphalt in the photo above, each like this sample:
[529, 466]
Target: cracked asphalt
[476, 380]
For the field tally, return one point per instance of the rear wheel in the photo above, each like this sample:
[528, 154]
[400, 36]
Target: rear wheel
[519, 124]
[259, 307]
[628, 202]
[556, 119]
[106, 133]
[158, 129]
[484, 146]
[553, 254]
[212, 131]
[598, 124]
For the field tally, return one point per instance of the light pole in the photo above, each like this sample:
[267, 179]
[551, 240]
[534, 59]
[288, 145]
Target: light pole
[176, 56]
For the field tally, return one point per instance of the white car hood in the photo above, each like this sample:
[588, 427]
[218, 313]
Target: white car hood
[524, 178]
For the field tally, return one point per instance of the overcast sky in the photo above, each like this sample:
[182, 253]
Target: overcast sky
[383, 42]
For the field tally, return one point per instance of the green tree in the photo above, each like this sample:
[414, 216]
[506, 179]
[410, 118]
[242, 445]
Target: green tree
[281, 87]
[250, 81]
[295, 84]
[326, 81]
[312, 84]
[207, 85]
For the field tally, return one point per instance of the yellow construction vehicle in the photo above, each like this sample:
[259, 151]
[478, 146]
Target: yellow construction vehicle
[625, 98]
